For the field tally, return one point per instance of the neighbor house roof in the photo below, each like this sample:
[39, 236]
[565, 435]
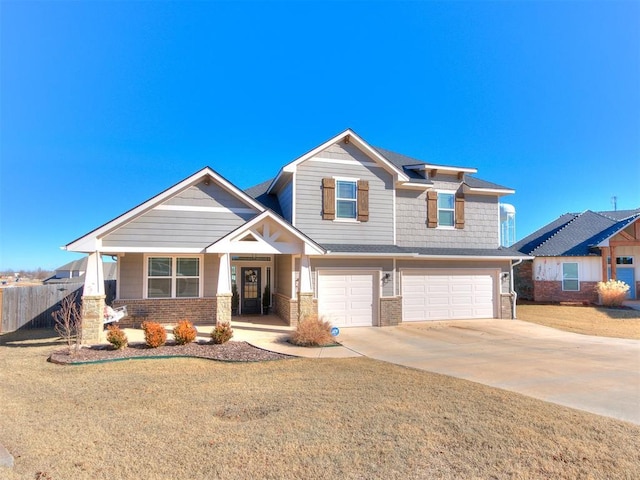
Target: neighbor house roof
[575, 234]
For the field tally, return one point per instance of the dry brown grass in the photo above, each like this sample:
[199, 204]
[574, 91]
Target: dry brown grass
[600, 321]
[348, 418]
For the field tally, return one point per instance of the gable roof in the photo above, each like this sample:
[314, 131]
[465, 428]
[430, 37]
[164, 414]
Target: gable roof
[575, 234]
[269, 200]
[90, 242]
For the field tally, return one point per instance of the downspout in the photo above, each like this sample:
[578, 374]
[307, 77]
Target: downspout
[513, 293]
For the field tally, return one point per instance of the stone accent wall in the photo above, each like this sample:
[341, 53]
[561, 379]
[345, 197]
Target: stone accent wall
[169, 310]
[286, 308]
[506, 304]
[223, 308]
[551, 291]
[390, 311]
[305, 306]
[523, 280]
[92, 319]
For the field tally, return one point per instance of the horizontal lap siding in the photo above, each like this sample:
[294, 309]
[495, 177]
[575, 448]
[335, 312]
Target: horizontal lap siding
[171, 229]
[131, 275]
[377, 230]
[481, 225]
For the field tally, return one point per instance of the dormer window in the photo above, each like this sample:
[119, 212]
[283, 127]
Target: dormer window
[346, 199]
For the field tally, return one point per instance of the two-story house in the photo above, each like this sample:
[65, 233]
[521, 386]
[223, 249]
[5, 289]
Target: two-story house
[359, 235]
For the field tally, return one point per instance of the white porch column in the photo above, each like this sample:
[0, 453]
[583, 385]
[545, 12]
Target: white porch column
[93, 300]
[224, 294]
[305, 293]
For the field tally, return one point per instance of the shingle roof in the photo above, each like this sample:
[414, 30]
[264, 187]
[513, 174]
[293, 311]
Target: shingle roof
[259, 193]
[575, 234]
[421, 251]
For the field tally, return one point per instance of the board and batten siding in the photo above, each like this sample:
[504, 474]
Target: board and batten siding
[215, 212]
[481, 222]
[550, 268]
[378, 230]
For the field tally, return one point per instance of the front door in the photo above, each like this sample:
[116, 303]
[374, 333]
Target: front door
[250, 293]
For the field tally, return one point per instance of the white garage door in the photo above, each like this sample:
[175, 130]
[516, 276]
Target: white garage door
[431, 296]
[346, 299]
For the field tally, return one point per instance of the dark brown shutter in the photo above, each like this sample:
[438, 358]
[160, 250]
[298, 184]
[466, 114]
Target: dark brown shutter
[328, 198]
[459, 210]
[432, 209]
[363, 200]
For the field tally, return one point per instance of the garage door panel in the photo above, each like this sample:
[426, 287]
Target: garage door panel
[346, 298]
[444, 296]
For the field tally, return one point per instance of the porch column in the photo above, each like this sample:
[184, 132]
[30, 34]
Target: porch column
[93, 300]
[612, 253]
[305, 292]
[224, 294]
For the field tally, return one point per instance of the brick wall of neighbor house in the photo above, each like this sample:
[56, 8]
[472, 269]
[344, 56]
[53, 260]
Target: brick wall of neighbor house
[523, 280]
[169, 310]
[551, 291]
[390, 311]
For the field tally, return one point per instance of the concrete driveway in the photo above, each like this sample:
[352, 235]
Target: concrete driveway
[596, 374]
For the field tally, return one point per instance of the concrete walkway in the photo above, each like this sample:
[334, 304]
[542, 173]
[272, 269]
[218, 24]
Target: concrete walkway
[596, 374]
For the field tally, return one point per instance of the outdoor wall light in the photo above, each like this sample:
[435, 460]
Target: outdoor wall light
[386, 278]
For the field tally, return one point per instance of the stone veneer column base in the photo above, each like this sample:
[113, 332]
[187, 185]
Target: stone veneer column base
[92, 319]
[305, 305]
[223, 308]
[390, 311]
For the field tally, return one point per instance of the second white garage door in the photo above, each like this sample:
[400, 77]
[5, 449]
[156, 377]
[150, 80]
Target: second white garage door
[347, 299]
[446, 296]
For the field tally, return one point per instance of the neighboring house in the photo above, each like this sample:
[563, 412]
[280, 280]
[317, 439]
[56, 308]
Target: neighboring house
[73, 272]
[575, 252]
[359, 235]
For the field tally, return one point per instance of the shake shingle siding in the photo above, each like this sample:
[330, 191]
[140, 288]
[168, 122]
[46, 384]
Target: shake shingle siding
[211, 195]
[480, 228]
[379, 227]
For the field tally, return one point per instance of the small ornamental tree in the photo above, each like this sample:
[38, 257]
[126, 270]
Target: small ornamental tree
[68, 322]
[612, 292]
[154, 334]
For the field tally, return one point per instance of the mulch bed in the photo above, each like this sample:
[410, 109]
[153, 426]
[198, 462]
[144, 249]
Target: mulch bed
[227, 352]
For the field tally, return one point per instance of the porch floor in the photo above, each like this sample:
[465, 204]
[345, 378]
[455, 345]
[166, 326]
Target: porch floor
[268, 332]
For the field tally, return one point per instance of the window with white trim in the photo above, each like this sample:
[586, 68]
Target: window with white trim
[173, 277]
[346, 199]
[570, 282]
[446, 209]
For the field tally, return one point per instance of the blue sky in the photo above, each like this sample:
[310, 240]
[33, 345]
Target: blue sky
[105, 104]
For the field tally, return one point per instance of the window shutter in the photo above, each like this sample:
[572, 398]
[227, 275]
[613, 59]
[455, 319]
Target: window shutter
[363, 200]
[460, 210]
[432, 209]
[328, 198]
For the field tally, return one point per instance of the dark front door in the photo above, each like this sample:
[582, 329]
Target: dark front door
[250, 290]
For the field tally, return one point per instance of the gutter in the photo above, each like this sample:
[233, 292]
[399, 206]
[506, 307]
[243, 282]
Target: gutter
[512, 291]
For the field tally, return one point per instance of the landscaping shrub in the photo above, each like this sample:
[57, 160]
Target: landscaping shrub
[312, 332]
[154, 334]
[222, 333]
[184, 332]
[117, 337]
[612, 293]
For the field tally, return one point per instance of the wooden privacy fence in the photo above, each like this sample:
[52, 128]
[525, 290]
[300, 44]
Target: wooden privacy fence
[33, 307]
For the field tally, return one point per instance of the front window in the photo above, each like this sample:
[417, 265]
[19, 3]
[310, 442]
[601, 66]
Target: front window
[570, 277]
[446, 209]
[173, 277]
[346, 195]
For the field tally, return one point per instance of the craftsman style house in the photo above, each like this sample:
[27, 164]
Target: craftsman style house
[576, 251]
[357, 234]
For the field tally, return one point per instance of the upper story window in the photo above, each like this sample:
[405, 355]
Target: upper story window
[446, 209]
[570, 280]
[173, 277]
[346, 199]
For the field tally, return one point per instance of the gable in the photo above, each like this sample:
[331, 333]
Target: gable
[184, 218]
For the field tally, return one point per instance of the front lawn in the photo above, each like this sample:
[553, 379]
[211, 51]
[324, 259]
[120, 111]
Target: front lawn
[604, 322]
[301, 418]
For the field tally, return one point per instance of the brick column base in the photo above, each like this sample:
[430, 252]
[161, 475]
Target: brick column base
[92, 319]
[390, 311]
[223, 308]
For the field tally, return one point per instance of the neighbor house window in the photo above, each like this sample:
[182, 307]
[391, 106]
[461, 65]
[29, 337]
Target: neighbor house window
[346, 199]
[173, 277]
[446, 209]
[570, 277]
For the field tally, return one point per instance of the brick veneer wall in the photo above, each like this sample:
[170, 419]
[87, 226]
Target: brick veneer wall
[168, 310]
[523, 280]
[390, 311]
[551, 291]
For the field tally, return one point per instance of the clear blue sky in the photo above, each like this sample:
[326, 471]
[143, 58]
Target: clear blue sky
[105, 104]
